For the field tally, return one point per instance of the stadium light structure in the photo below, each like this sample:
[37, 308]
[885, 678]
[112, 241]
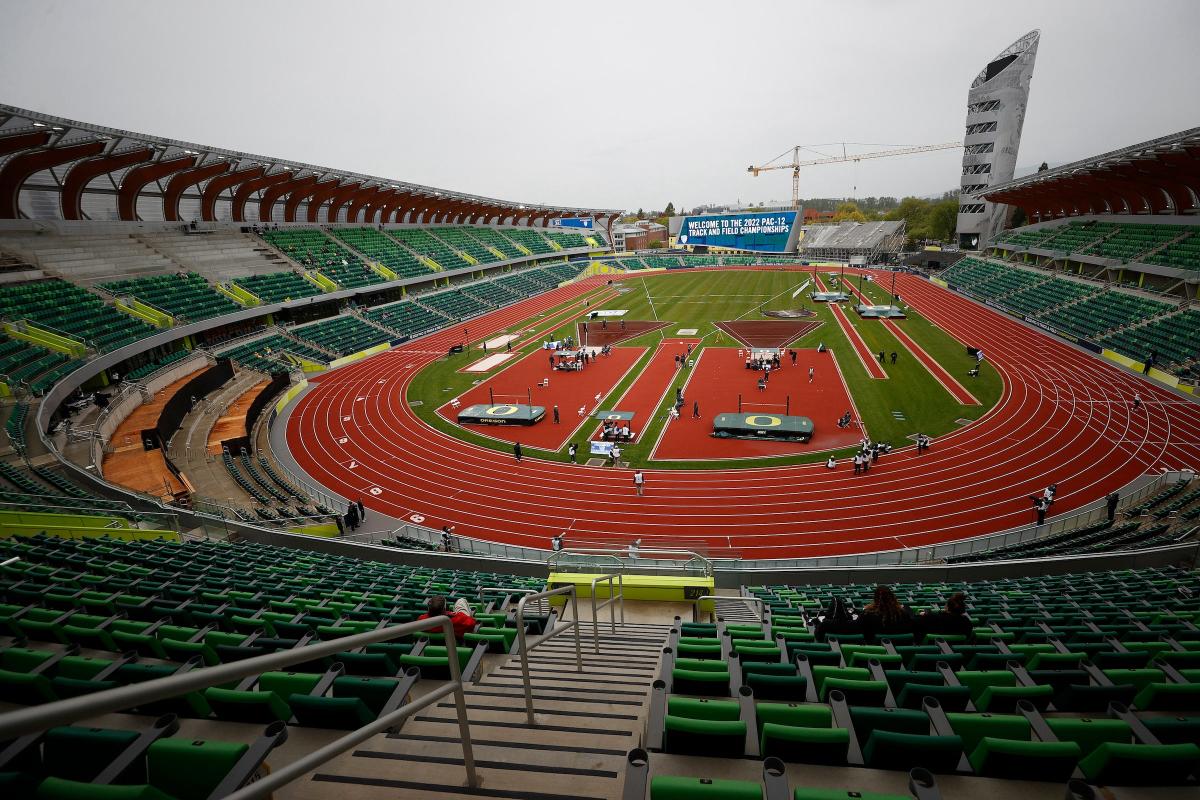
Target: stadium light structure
[996, 104]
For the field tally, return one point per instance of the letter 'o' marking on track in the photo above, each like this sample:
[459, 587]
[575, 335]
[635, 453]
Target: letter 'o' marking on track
[345, 419]
[417, 518]
[501, 411]
[353, 465]
[343, 440]
[376, 490]
[360, 398]
[763, 421]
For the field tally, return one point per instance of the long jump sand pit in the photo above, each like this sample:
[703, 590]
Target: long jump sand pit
[488, 362]
[496, 342]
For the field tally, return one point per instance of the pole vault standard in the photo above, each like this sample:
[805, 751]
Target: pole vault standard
[787, 406]
[492, 396]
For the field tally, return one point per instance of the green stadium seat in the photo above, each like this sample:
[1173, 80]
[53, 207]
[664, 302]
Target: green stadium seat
[800, 732]
[1141, 764]
[700, 726]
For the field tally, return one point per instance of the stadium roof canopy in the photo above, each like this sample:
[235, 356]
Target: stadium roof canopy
[55, 168]
[1161, 176]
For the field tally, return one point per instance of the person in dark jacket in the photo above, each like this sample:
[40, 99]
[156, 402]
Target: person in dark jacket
[837, 619]
[885, 615]
[951, 620]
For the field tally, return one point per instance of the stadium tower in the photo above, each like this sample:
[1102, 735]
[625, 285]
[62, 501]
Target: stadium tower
[996, 105]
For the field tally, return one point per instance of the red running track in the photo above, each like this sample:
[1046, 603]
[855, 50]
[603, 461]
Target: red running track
[1064, 417]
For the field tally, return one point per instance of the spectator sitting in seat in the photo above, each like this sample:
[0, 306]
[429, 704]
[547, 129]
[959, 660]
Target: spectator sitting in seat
[886, 615]
[462, 617]
[952, 620]
[837, 619]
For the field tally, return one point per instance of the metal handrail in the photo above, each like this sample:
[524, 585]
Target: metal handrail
[551, 562]
[611, 553]
[60, 712]
[46, 506]
[504, 590]
[524, 647]
[609, 603]
[739, 598]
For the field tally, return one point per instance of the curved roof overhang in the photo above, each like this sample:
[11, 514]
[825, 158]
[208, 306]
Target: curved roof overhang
[23, 131]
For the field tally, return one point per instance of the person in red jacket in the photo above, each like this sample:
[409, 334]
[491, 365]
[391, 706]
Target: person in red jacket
[461, 617]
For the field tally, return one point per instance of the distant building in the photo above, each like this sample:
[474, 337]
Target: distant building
[812, 215]
[996, 104]
[637, 235]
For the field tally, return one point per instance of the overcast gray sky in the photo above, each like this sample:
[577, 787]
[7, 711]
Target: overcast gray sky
[616, 104]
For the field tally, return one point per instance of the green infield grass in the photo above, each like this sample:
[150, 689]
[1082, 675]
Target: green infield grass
[908, 402]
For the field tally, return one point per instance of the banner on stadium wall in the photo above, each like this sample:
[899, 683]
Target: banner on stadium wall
[587, 223]
[765, 232]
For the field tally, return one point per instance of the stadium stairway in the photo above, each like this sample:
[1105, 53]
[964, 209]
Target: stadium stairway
[586, 724]
[188, 447]
[361, 315]
[289, 334]
[736, 610]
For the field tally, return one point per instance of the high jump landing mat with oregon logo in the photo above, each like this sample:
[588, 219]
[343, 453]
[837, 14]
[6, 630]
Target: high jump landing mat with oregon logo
[764, 425]
[501, 414]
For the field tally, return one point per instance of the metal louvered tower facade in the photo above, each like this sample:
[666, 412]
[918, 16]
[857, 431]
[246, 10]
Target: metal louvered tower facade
[996, 104]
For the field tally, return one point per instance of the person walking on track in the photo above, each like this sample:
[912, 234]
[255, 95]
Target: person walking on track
[810, 374]
[695, 409]
[517, 452]
[639, 482]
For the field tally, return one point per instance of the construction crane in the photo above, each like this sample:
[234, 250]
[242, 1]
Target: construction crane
[844, 157]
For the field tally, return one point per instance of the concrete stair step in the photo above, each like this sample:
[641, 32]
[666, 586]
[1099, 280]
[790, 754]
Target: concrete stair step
[561, 672]
[505, 681]
[585, 723]
[575, 732]
[503, 693]
[505, 708]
